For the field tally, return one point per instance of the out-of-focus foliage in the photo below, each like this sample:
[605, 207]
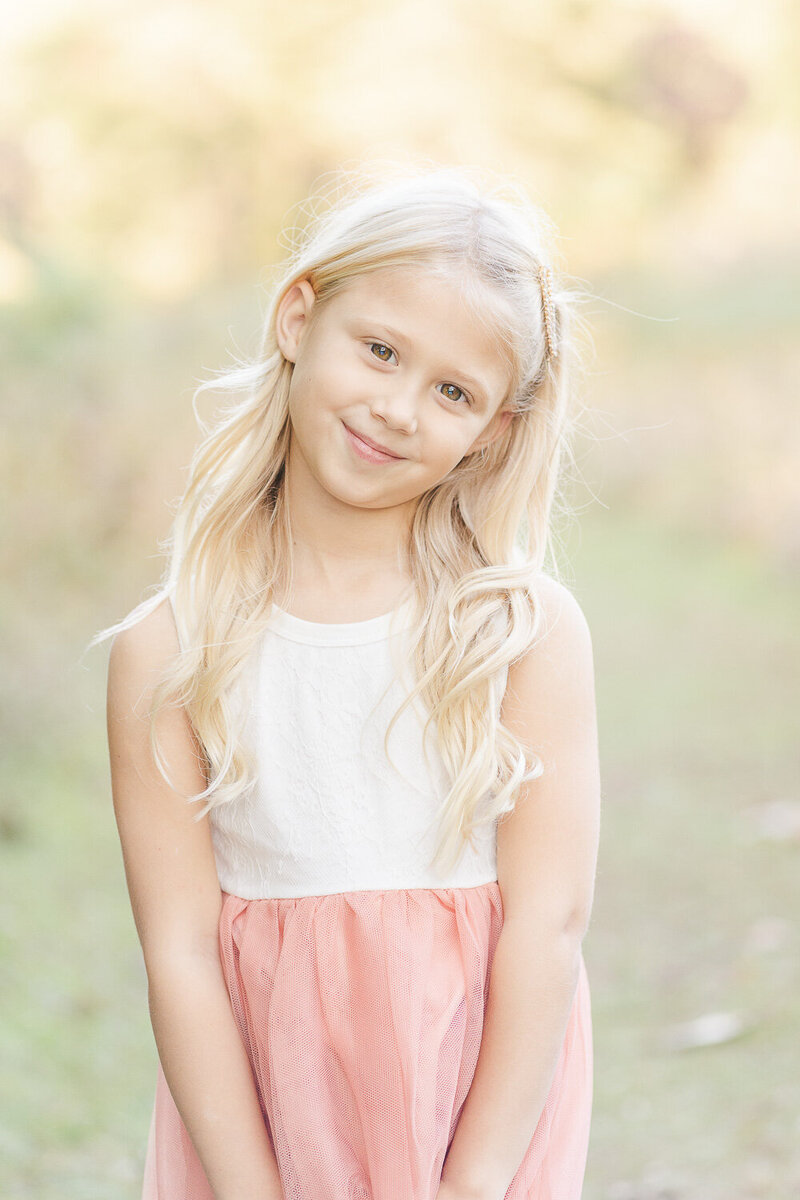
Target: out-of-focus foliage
[164, 142]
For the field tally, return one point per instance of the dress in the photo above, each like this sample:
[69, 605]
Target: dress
[358, 977]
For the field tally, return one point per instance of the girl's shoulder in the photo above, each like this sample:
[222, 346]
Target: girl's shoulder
[562, 629]
[144, 643]
[151, 621]
[554, 600]
[552, 593]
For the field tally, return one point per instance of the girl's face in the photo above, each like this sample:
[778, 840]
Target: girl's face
[397, 358]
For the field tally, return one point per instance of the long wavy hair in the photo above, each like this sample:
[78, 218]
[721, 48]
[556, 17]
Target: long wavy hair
[479, 538]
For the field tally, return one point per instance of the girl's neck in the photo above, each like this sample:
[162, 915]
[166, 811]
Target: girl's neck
[356, 599]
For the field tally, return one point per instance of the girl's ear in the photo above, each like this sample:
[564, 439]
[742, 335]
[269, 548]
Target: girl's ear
[498, 424]
[291, 318]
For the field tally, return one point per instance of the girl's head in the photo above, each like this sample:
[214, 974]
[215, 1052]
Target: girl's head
[410, 311]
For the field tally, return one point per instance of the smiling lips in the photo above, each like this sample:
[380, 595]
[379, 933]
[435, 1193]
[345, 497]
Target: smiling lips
[361, 443]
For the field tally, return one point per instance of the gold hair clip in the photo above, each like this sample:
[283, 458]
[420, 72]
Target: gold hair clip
[548, 308]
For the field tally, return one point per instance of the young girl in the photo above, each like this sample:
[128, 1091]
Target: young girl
[364, 951]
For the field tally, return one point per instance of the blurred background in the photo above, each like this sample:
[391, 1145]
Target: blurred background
[149, 154]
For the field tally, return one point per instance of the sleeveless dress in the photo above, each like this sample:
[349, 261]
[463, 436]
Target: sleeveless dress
[357, 976]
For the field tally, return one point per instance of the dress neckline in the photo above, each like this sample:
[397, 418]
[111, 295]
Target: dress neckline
[340, 633]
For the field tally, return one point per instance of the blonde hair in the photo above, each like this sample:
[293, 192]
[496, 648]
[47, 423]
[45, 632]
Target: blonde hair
[478, 539]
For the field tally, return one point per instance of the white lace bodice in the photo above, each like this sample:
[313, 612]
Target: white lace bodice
[329, 812]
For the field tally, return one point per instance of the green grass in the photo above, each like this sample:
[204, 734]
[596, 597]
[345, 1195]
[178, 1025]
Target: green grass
[75, 1033]
[696, 682]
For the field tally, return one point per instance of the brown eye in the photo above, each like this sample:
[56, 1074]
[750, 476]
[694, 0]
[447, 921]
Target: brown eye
[452, 387]
[381, 346]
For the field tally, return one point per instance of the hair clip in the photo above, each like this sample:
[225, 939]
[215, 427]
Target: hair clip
[548, 308]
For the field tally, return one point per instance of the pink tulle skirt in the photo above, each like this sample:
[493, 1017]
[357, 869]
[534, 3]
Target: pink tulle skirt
[362, 1015]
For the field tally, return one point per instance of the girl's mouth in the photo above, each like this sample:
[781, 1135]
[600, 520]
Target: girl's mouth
[368, 453]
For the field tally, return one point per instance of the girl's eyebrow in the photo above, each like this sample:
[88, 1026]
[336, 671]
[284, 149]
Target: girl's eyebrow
[468, 379]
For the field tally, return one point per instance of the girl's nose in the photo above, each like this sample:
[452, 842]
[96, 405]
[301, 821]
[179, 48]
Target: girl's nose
[398, 408]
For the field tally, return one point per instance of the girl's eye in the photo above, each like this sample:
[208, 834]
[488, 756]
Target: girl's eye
[452, 387]
[381, 347]
[384, 353]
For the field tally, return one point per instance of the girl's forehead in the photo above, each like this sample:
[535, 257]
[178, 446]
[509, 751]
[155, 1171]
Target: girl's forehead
[449, 296]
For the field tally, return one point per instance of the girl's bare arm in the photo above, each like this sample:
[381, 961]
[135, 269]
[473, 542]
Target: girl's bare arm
[176, 900]
[546, 864]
